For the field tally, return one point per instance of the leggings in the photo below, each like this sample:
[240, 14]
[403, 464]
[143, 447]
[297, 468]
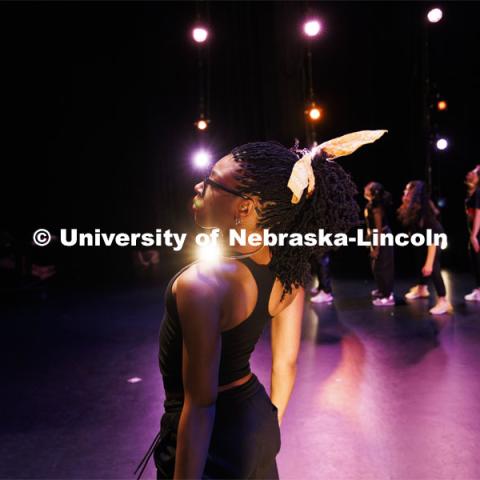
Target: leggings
[436, 276]
[475, 263]
[383, 268]
[245, 438]
[321, 269]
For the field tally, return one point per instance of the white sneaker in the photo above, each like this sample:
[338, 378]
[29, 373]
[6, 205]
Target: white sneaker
[384, 302]
[474, 296]
[322, 297]
[417, 292]
[443, 306]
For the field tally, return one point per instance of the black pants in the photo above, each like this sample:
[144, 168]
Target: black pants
[321, 269]
[436, 276]
[383, 269]
[245, 438]
[475, 262]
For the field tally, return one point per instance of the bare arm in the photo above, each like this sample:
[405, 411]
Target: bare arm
[475, 230]
[428, 267]
[286, 333]
[199, 309]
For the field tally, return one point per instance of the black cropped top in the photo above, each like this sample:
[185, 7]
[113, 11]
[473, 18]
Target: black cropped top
[238, 342]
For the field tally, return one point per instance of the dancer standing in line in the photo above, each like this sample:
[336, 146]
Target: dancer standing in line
[382, 257]
[472, 210]
[321, 270]
[418, 213]
[219, 421]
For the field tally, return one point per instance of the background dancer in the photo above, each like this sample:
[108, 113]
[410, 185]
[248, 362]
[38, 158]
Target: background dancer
[382, 257]
[418, 213]
[322, 293]
[472, 210]
[219, 420]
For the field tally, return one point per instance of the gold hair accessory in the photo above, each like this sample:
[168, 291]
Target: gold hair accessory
[302, 175]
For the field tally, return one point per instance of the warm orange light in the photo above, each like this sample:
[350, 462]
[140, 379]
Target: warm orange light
[202, 125]
[314, 112]
[442, 105]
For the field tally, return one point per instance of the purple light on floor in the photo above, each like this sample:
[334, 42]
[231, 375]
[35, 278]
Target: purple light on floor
[134, 380]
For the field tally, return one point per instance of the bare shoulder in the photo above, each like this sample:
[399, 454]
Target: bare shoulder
[206, 281]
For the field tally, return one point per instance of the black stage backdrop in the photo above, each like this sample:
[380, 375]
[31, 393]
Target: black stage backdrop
[98, 103]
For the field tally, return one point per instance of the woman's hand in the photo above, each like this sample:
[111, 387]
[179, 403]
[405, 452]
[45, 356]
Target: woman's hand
[427, 270]
[475, 245]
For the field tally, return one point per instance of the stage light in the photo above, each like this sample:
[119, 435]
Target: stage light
[442, 105]
[201, 159]
[314, 112]
[312, 28]
[134, 380]
[209, 253]
[441, 144]
[202, 124]
[434, 15]
[200, 34]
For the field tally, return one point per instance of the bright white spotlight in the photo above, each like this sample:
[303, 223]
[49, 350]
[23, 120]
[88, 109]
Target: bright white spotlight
[200, 34]
[209, 253]
[434, 15]
[201, 159]
[312, 28]
[442, 144]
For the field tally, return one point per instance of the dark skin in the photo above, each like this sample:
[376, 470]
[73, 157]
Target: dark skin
[214, 297]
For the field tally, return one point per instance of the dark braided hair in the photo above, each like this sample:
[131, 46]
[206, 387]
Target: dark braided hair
[381, 198]
[417, 210]
[265, 168]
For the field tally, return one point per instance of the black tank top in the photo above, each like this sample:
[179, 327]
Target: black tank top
[238, 342]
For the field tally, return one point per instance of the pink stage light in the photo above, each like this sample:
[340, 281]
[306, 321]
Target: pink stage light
[312, 28]
[434, 15]
[200, 34]
[201, 159]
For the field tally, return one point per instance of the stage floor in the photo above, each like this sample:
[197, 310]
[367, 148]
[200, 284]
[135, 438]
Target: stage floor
[381, 393]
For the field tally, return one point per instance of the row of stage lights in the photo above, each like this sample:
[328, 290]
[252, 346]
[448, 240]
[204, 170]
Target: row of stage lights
[312, 28]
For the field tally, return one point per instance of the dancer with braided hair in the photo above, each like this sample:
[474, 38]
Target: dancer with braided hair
[219, 421]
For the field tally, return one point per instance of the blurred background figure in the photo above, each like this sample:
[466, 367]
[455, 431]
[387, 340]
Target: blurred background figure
[322, 293]
[472, 210]
[382, 257]
[418, 214]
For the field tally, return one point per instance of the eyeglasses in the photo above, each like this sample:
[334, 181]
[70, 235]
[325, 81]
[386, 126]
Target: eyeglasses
[208, 181]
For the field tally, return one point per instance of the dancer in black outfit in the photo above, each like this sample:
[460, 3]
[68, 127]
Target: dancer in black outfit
[418, 213]
[382, 257]
[219, 421]
[322, 293]
[472, 210]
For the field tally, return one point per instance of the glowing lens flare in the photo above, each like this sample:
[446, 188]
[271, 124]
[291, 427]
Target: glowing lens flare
[209, 253]
[435, 15]
[312, 28]
[201, 159]
[442, 144]
[200, 34]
